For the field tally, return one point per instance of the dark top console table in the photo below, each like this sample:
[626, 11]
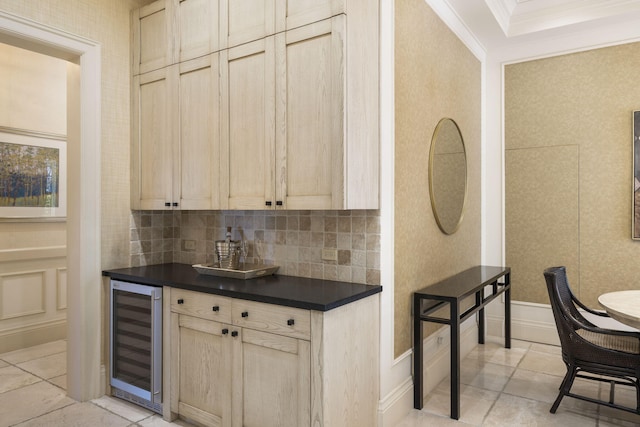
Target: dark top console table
[452, 291]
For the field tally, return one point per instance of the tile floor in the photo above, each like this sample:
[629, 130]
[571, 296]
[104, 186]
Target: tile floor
[500, 388]
[517, 387]
[32, 393]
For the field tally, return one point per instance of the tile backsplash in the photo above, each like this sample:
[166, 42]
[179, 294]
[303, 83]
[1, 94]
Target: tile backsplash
[294, 240]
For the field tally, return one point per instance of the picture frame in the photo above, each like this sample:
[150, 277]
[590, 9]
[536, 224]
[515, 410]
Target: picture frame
[635, 201]
[33, 176]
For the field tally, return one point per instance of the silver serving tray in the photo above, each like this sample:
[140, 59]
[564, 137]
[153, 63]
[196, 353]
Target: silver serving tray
[248, 271]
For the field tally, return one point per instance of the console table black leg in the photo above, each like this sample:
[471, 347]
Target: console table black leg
[417, 354]
[507, 316]
[479, 298]
[455, 360]
[481, 326]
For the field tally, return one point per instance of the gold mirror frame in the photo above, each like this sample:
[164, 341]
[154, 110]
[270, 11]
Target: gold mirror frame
[448, 175]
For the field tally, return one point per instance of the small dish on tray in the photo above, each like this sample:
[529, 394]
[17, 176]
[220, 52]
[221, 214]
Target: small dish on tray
[246, 271]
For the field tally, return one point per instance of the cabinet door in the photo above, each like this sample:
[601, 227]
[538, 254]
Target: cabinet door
[199, 167]
[310, 115]
[152, 29]
[247, 125]
[197, 32]
[153, 136]
[271, 381]
[296, 13]
[243, 21]
[200, 370]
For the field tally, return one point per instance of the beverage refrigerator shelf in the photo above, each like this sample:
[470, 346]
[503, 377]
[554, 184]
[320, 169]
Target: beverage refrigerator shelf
[248, 271]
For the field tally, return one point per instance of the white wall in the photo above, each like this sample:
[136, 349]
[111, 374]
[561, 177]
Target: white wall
[32, 254]
[33, 91]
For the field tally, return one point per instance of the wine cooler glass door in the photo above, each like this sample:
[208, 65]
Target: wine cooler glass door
[136, 339]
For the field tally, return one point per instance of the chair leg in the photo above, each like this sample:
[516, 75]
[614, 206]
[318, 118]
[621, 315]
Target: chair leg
[567, 382]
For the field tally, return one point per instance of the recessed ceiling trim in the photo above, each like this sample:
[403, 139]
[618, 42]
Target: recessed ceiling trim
[519, 17]
[502, 11]
[568, 13]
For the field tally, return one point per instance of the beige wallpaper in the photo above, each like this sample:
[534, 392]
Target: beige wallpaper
[108, 23]
[436, 76]
[569, 171]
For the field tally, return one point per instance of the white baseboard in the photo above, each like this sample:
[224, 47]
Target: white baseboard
[529, 322]
[397, 404]
[436, 356]
[31, 335]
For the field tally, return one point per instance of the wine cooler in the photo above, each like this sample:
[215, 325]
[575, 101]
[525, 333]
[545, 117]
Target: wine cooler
[136, 344]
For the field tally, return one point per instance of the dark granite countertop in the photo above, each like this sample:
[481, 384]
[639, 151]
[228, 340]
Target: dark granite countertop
[300, 292]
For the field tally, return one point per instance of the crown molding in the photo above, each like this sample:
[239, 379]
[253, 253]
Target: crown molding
[519, 17]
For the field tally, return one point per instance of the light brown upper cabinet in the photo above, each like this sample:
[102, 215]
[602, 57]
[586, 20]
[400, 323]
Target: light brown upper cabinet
[153, 133]
[199, 141]
[247, 125]
[310, 120]
[250, 20]
[175, 137]
[296, 13]
[197, 32]
[245, 21]
[298, 109]
[167, 32]
[152, 33]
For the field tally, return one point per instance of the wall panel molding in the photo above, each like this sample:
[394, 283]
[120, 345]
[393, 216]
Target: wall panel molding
[22, 294]
[61, 288]
[33, 297]
[23, 254]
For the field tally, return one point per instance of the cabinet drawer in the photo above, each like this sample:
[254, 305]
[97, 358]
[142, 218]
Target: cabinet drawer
[198, 304]
[289, 321]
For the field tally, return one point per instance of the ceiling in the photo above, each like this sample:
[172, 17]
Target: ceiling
[510, 25]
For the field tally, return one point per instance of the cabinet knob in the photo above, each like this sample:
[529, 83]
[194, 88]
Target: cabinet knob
[180, 301]
[234, 333]
[167, 204]
[215, 308]
[268, 203]
[278, 202]
[175, 204]
[245, 314]
[291, 322]
[225, 331]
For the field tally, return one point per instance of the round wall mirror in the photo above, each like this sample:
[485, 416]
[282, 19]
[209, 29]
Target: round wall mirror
[447, 175]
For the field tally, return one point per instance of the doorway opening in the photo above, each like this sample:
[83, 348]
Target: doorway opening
[83, 206]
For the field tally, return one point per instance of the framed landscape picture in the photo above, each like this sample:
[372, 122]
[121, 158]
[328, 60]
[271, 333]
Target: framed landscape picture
[33, 176]
[636, 177]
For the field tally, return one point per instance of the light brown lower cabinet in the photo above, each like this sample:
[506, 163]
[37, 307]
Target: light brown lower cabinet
[230, 362]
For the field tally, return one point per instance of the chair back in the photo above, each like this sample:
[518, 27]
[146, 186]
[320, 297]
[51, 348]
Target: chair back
[565, 313]
[559, 290]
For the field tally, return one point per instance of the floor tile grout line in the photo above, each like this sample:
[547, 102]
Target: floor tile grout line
[27, 385]
[515, 369]
[35, 358]
[41, 379]
[46, 413]
[114, 413]
[38, 376]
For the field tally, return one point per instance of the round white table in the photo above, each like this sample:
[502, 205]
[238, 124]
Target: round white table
[624, 306]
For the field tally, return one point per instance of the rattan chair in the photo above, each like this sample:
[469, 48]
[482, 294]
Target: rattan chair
[588, 351]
